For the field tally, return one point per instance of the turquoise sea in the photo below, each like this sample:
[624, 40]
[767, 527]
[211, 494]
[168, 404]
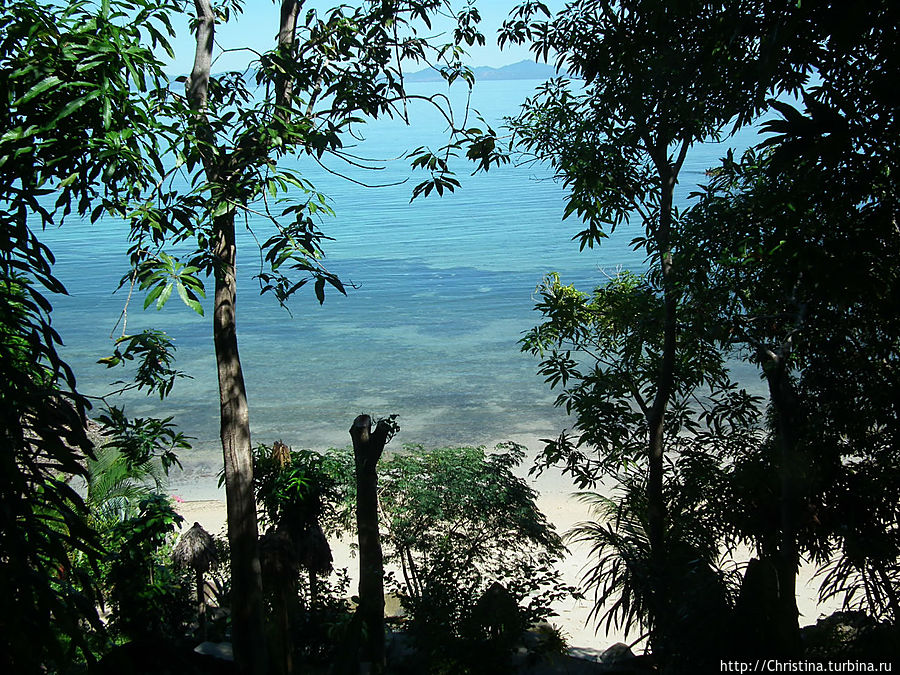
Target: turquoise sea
[444, 291]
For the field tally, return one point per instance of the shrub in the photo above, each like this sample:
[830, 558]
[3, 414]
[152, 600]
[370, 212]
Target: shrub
[475, 553]
[148, 596]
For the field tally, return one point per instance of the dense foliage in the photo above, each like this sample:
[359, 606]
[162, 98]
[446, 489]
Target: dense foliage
[74, 97]
[148, 598]
[802, 282]
[471, 554]
[786, 259]
[226, 138]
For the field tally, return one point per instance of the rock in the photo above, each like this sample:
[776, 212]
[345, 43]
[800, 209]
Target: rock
[498, 613]
[219, 650]
[761, 627]
[617, 653]
[849, 635]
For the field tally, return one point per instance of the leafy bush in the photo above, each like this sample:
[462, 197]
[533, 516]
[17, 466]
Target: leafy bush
[455, 521]
[850, 636]
[297, 492]
[115, 486]
[318, 630]
[148, 596]
[622, 578]
[46, 603]
[475, 553]
[294, 487]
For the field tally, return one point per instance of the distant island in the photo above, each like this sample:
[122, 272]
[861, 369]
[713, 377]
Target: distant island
[523, 70]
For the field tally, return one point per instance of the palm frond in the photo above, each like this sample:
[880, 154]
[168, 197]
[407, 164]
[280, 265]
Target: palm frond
[620, 576]
[114, 487]
[862, 585]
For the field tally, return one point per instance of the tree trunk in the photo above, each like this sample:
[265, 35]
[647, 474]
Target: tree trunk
[368, 446]
[889, 592]
[656, 524]
[286, 33]
[313, 588]
[201, 604]
[281, 649]
[787, 560]
[247, 613]
[656, 506]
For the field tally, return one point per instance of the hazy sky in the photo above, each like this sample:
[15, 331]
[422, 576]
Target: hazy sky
[257, 26]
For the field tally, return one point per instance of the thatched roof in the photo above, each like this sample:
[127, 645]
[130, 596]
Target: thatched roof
[278, 557]
[315, 553]
[282, 553]
[196, 549]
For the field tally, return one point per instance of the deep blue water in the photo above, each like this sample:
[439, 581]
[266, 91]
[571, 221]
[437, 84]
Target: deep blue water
[445, 291]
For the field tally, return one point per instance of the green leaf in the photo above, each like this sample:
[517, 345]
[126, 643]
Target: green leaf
[75, 105]
[189, 301]
[152, 295]
[38, 89]
[164, 296]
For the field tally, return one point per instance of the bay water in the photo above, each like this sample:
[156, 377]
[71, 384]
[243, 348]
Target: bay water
[443, 289]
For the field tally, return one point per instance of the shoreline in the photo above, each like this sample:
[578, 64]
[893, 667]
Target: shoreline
[199, 499]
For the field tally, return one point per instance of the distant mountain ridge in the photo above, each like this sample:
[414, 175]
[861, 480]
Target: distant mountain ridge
[523, 70]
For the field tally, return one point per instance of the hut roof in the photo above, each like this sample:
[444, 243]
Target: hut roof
[196, 549]
[315, 553]
[278, 557]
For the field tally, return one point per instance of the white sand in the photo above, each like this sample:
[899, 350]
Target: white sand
[204, 503]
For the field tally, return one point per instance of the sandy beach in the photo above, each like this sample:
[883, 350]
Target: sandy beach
[202, 501]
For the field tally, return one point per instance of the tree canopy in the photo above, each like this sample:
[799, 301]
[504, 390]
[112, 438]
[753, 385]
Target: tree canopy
[629, 359]
[75, 82]
[784, 259]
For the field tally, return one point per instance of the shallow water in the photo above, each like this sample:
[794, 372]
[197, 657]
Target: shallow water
[444, 292]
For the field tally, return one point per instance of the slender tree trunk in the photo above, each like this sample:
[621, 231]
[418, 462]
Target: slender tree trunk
[201, 604]
[247, 613]
[313, 587]
[788, 558]
[281, 649]
[890, 592]
[656, 505]
[656, 522]
[368, 446]
[410, 573]
[286, 33]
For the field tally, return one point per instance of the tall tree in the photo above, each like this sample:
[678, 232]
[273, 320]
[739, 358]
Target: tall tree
[74, 79]
[327, 74]
[794, 246]
[602, 350]
[657, 78]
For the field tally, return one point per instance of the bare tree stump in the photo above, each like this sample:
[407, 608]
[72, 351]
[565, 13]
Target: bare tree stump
[368, 445]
